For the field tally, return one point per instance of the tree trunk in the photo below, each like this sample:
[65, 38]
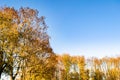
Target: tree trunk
[12, 78]
[0, 75]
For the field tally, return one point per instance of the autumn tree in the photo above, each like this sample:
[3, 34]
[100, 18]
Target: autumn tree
[24, 43]
[35, 44]
[82, 71]
[79, 68]
[66, 60]
[8, 38]
[74, 70]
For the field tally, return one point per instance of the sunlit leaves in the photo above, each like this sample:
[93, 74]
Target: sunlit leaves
[25, 43]
[79, 68]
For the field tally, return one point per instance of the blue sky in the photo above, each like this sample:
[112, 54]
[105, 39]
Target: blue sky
[79, 27]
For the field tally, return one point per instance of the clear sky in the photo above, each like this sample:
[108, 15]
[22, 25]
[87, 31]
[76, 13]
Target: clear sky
[79, 27]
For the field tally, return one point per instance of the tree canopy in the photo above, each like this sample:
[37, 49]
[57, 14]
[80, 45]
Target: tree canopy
[24, 44]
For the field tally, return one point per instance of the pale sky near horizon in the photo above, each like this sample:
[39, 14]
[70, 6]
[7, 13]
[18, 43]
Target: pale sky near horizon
[79, 27]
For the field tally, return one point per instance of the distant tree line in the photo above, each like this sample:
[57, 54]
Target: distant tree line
[79, 68]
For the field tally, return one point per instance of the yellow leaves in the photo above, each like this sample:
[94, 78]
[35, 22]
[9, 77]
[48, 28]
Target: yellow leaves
[107, 68]
[66, 59]
[8, 29]
[24, 40]
[10, 12]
